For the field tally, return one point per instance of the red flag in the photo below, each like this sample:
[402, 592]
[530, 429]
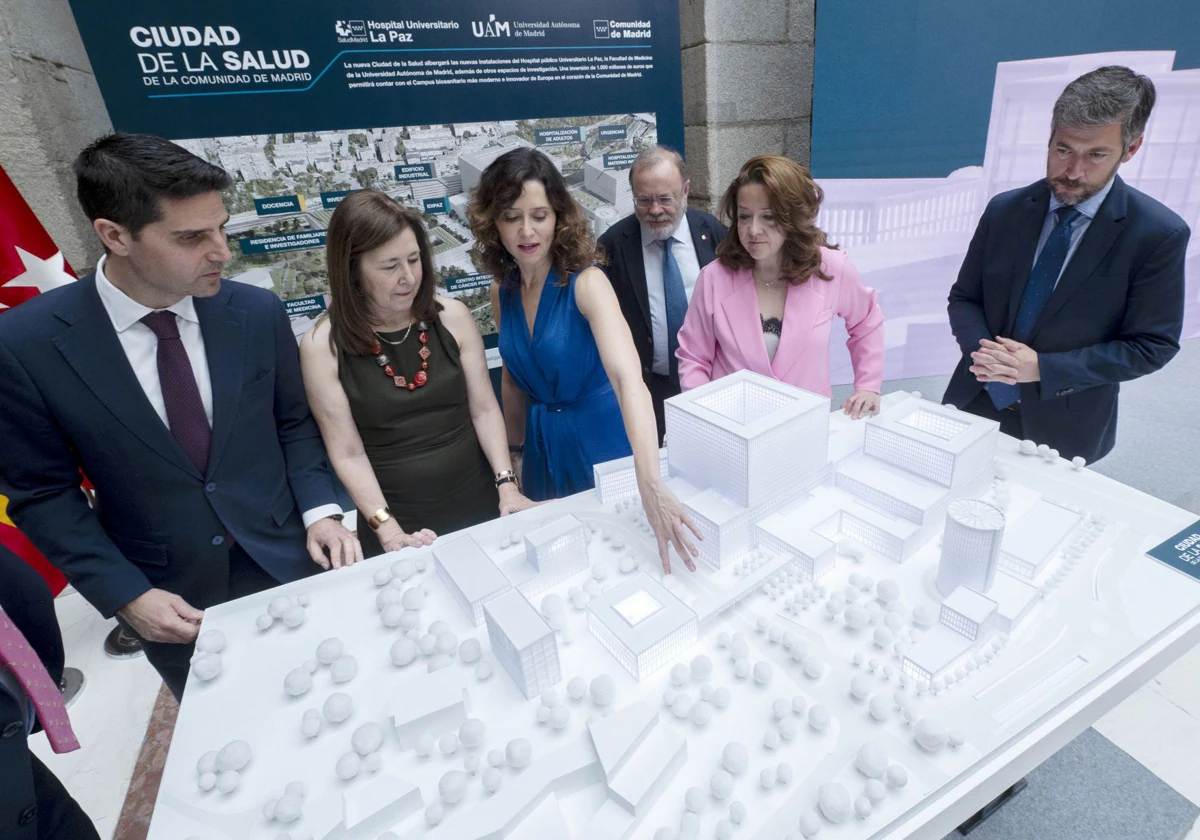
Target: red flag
[30, 263]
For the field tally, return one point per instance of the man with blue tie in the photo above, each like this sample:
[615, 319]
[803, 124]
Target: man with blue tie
[654, 257]
[179, 395]
[1073, 284]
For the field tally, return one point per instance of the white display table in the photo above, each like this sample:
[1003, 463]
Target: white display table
[1103, 619]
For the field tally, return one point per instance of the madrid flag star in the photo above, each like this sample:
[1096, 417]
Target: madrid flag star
[30, 263]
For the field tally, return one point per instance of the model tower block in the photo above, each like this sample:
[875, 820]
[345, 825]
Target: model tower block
[523, 643]
[747, 437]
[557, 550]
[470, 575]
[938, 442]
[642, 624]
[970, 546]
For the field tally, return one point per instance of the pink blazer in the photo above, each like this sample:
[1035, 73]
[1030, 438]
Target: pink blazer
[722, 331]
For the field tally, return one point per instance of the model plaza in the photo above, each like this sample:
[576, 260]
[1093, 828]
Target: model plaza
[879, 606]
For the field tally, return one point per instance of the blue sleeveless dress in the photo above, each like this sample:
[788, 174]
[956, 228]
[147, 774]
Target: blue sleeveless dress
[572, 419]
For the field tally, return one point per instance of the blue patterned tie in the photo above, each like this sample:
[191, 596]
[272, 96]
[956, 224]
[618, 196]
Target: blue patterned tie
[677, 302]
[1042, 281]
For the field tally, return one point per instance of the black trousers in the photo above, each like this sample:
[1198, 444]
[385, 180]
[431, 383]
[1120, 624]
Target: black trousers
[33, 803]
[173, 661]
[661, 388]
[1008, 418]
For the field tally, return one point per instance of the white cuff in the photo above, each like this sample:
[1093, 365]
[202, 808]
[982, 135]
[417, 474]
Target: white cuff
[311, 516]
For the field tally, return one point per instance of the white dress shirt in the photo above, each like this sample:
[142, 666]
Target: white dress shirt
[1087, 208]
[141, 348]
[689, 268]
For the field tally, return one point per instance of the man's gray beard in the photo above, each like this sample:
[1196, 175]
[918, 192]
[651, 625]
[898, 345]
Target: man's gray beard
[652, 234]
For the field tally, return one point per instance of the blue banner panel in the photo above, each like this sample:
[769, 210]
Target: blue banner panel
[305, 102]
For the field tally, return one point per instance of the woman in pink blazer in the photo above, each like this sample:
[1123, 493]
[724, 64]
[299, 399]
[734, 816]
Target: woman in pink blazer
[766, 303]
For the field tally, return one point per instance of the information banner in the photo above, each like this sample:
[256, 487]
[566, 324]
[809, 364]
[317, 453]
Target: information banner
[305, 102]
[1182, 551]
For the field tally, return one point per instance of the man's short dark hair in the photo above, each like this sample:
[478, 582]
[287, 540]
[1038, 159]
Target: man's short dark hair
[122, 177]
[1105, 96]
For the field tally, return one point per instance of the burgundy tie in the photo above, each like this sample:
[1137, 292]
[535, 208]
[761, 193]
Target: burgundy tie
[22, 661]
[185, 410]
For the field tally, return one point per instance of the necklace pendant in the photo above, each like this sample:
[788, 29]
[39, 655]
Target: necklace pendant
[424, 353]
[382, 359]
[376, 348]
[389, 370]
[411, 386]
[400, 381]
[420, 377]
[423, 337]
[424, 365]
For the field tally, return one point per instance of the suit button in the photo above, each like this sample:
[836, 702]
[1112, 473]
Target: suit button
[210, 487]
[27, 815]
[218, 540]
[12, 730]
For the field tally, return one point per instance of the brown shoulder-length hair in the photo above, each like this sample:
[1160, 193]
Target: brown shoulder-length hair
[795, 199]
[574, 247]
[362, 222]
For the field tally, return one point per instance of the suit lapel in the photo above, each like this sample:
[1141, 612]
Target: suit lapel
[745, 324]
[1029, 230]
[1098, 239]
[635, 269]
[799, 314]
[224, 330]
[91, 347]
[702, 239]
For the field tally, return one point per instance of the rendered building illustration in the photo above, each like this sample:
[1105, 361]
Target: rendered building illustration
[909, 235]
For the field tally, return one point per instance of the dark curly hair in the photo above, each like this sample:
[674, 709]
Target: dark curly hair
[795, 199]
[363, 221]
[500, 186]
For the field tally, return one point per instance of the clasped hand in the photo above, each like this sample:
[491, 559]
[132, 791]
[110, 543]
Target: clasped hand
[1005, 360]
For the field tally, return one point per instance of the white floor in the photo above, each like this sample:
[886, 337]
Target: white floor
[1159, 725]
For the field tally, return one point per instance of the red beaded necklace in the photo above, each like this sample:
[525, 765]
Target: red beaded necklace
[420, 377]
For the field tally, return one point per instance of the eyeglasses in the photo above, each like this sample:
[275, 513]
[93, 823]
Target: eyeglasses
[666, 202]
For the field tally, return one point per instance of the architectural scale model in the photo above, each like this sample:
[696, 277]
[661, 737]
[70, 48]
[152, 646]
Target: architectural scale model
[881, 606]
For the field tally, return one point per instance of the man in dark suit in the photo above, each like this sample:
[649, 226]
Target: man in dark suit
[179, 395]
[1073, 284]
[33, 803]
[654, 282]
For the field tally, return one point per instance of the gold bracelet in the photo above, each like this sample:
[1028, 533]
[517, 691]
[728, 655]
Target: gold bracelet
[378, 518]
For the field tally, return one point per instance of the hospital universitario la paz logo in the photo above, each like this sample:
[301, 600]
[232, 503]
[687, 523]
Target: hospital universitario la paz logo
[491, 28]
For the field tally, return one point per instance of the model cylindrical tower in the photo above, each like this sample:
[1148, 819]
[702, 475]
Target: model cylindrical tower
[970, 546]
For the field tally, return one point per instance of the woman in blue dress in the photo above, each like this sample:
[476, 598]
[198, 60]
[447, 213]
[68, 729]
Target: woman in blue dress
[572, 387]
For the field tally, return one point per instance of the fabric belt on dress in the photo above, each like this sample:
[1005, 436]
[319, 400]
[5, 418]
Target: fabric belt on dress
[537, 423]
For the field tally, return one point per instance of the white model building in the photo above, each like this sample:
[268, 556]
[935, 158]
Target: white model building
[748, 437]
[970, 546]
[616, 479]
[642, 624]
[523, 643]
[556, 551]
[938, 442]
[1034, 538]
[470, 575]
[968, 613]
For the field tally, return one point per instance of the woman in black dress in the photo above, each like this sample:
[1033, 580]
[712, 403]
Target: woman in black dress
[398, 383]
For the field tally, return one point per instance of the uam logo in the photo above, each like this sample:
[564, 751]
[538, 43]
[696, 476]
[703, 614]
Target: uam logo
[491, 29]
[348, 30]
[600, 27]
